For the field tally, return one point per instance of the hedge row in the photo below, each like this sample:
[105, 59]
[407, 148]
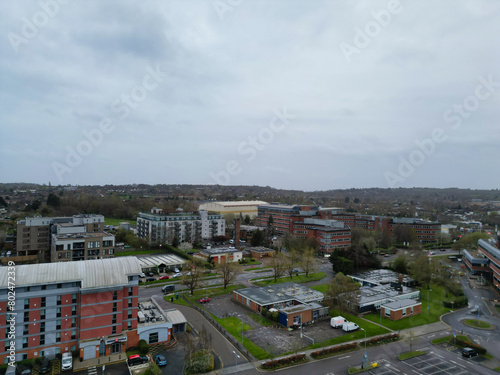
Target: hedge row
[269, 365]
[468, 344]
[334, 350]
[381, 339]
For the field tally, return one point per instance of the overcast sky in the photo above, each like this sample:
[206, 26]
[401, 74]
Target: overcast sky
[306, 95]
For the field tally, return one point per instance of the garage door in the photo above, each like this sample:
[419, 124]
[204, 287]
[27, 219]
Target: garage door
[89, 352]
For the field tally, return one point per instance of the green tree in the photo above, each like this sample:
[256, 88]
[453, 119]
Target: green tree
[3, 203]
[247, 220]
[258, 238]
[53, 200]
[308, 262]
[400, 265]
[343, 294]
[420, 270]
[469, 241]
[340, 262]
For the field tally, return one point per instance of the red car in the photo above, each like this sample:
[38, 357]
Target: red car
[204, 300]
[164, 277]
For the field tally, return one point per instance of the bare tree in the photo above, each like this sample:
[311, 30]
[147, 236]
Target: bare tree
[278, 264]
[291, 262]
[229, 271]
[410, 339]
[193, 279]
[186, 246]
[343, 294]
[308, 263]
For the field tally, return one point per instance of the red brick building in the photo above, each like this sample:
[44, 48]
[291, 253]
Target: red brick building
[401, 309]
[331, 234]
[90, 306]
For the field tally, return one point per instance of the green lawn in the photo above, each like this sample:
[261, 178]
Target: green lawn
[477, 323]
[111, 221]
[436, 296]
[412, 354]
[263, 321]
[296, 279]
[323, 288]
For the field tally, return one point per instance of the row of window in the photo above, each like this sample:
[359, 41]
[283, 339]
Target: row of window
[43, 301]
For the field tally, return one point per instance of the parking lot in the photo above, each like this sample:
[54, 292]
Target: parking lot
[275, 339]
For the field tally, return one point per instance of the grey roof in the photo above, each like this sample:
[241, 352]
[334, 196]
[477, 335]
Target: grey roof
[284, 292]
[399, 304]
[174, 316]
[489, 248]
[155, 260]
[92, 273]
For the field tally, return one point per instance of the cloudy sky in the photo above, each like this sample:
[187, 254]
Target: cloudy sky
[292, 94]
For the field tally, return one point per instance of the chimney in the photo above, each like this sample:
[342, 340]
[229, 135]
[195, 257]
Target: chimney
[237, 233]
[400, 279]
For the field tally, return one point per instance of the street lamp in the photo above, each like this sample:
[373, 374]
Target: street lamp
[236, 361]
[428, 301]
[365, 357]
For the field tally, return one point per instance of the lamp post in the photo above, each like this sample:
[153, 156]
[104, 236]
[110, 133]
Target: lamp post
[365, 356]
[428, 301]
[236, 361]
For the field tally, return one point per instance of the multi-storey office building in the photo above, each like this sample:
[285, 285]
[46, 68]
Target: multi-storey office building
[161, 226]
[34, 234]
[90, 306]
[279, 216]
[236, 208]
[331, 234]
[485, 261]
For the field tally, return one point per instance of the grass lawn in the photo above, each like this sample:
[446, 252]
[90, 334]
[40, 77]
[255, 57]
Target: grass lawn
[263, 321]
[137, 252]
[321, 288]
[371, 330]
[296, 279]
[477, 323]
[412, 354]
[111, 221]
[436, 296]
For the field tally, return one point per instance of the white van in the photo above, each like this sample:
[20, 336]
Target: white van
[349, 326]
[337, 322]
[67, 361]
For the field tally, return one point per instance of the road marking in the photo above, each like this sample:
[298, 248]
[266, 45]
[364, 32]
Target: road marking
[347, 356]
[438, 355]
[392, 368]
[458, 364]
[431, 336]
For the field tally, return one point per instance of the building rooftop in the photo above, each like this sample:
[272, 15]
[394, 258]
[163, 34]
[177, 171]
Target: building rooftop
[219, 250]
[91, 273]
[174, 316]
[157, 260]
[400, 304]
[281, 293]
[371, 295]
[239, 203]
[379, 277]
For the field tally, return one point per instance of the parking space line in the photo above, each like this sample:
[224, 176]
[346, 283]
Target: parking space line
[458, 364]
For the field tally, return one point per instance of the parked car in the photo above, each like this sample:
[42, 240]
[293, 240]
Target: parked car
[67, 361]
[178, 274]
[190, 252]
[349, 326]
[176, 270]
[204, 300]
[386, 255]
[137, 359]
[23, 370]
[168, 288]
[160, 360]
[46, 367]
[443, 249]
[468, 352]
[337, 322]
[166, 277]
[150, 279]
[142, 274]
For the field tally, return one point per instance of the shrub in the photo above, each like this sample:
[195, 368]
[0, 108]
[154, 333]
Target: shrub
[381, 339]
[143, 347]
[334, 350]
[284, 361]
[467, 343]
[457, 302]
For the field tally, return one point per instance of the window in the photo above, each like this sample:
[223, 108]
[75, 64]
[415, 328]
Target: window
[129, 325]
[25, 342]
[59, 300]
[59, 285]
[404, 311]
[42, 327]
[58, 312]
[73, 310]
[110, 251]
[73, 322]
[115, 295]
[43, 302]
[73, 348]
[115, 306]
[58, 324]
[58, 336]
[42, 314]
[103, 251]
[44, 287]
[412, 310]
[113, 330]
[26, 304]
[26, 329]
[24, 356]
[73, 334]
[114, 319]
[129, 314]
[59, 256]
[130, 302]
[67, 255]
[26, 316]
[153, 337]
[42, 339]
[73, 298]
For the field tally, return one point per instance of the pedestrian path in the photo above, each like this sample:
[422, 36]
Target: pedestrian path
[105, 360]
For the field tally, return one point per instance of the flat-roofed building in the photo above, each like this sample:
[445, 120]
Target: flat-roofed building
[90, 306]
[236, 208]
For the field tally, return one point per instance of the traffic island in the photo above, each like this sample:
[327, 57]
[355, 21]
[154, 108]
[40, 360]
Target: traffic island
[357, 369]
[412, 354]
[479, 324]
